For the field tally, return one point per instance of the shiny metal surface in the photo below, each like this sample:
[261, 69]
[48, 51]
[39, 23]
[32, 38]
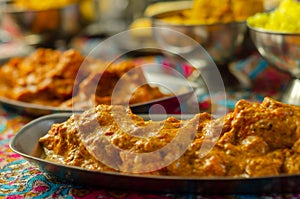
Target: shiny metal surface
[220, 40]
[281, 50]
[41, 27]
[292, 94]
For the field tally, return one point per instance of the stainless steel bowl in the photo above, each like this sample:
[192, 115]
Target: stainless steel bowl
[281, 50]
[41, 27]
[220, 40]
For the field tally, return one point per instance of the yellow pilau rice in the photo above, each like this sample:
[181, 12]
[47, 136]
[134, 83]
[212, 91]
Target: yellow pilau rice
[285, 18]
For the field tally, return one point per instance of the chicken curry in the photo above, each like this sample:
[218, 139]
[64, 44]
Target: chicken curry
[255, 139]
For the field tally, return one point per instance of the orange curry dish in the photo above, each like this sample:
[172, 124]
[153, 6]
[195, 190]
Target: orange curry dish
[51, 77]
[255, 139]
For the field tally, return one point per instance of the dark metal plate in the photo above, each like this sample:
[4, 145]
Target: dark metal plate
[26, 144]
[183, 94]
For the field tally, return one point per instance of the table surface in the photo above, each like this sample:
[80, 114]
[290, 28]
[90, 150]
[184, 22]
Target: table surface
[19, 179]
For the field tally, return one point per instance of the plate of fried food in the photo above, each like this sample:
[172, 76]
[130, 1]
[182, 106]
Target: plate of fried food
[253, 149]
[51, 81]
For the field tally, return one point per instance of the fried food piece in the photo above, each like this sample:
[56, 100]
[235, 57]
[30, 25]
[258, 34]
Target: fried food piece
[44, 5]
[119, 83]
[241, 9]
[44, 77]
[222, 11]
[211, 11]
[66, 79]
[256, 139]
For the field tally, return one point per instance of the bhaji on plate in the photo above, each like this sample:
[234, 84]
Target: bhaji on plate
[65, 79]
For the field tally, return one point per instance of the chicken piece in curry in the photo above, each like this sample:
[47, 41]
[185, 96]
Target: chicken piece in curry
[255, 139]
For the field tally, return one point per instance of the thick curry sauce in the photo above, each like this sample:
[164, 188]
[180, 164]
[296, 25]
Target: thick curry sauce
[255, 139]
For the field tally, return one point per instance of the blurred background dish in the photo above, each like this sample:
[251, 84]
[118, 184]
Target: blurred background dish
[175, 104]
[218, 26]
[51, 80]
[281, 50]
[276, 35]
[41, 26]
[221, 40]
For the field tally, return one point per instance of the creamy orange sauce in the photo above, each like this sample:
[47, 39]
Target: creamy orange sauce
[256, 139]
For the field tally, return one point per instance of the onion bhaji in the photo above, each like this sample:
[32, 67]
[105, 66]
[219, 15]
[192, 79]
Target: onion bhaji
[63, 79]
[44, 77]
[255, 139]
